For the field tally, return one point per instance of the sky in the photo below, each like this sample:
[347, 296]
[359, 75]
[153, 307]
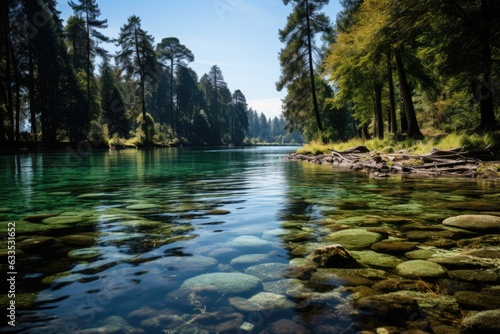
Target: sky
[239, 36]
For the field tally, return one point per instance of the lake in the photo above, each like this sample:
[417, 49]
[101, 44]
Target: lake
[216, 240]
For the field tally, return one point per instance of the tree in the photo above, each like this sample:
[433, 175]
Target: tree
[112, 103]
[89, 12]
[170, 49]
[239, 121]
[472, 35]
[296, 58]
[137, 56]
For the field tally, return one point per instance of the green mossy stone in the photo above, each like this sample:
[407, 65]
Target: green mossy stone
[142, 206]
[224, 283]
[85, 253]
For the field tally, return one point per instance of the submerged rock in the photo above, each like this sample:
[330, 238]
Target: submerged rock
[248, 241]
[263, 301]
[85, 253]
[224, 283]
[354, 239]
[249, 258]
[394, 246]
[376, 260]
[267, 271]
[142, 206]
[478, 300]
[485, 322]
[35, 243]
[420, 269]
[285, 326]
[392, 306]
[479, 223]
[332, 256]
[114, 324]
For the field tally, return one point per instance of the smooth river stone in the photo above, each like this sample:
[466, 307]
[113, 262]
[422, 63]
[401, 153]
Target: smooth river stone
[479, 223]
[267, 271]
[354, 239]
[263, 301]
[224, 283]
[142, 206]
[248, 241]
[420, 269]
[249, 258]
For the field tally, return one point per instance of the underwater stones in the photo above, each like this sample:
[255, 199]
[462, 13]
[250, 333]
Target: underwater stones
[25, 227]
[474, 276]
[96, 196]
[485, 322]
[336, 277]
[376, 260]
[38, 218]
[479, 223]
[424, 235]
[114, 324]
[263, 301]
[420, 269]
[78, 240]
[273, 234]
[283, 286]
[393, 246]
[473, 206]
[388, 306]
[420, 254]
[64, 220]
[299, 272]
[218, 212]
[141, 206]
[458, 261]
[477, 300]
[224, 283]
[249, 259]
[35, 243]
[407, 209]
[285, 326]
[185, 263]
[267, 271]
[85, 253]
[354, 239]
[331, 256]
[245, 241]
[141, 223]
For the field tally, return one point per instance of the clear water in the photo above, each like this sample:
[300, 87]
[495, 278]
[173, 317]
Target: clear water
[154, 216]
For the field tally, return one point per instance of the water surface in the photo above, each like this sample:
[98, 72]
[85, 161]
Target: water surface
[109, 238]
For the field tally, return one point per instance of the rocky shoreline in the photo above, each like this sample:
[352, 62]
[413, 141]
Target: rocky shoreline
[479, 164]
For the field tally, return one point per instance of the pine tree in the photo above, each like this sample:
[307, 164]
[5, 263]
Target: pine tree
[296, 58]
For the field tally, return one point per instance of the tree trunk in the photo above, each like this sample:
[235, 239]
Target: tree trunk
[413, 128]
[379, 118]
[31, 87]
[18, 95]
[393, 124]
[311, 70]
[485, 95]
[8, 67]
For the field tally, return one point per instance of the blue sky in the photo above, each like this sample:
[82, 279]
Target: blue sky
[240, 36]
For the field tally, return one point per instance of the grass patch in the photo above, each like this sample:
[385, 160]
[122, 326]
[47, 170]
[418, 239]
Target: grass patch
[390, 145]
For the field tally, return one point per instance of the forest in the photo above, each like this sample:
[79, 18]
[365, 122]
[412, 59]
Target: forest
[405, 69]
[379, 68]
[59, 84]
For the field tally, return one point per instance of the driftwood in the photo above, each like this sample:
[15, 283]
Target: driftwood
[459, 161]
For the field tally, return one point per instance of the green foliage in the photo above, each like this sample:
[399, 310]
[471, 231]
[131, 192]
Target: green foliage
[145, 132]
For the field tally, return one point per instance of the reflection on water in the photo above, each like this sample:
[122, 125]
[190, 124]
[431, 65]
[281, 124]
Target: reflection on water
[205, 241]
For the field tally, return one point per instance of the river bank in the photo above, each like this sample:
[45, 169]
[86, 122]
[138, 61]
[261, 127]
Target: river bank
[480, 164]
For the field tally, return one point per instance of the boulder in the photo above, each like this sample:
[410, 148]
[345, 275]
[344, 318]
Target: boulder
[477, 300]
[420, 269]
[479, 223]
[331, 256]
